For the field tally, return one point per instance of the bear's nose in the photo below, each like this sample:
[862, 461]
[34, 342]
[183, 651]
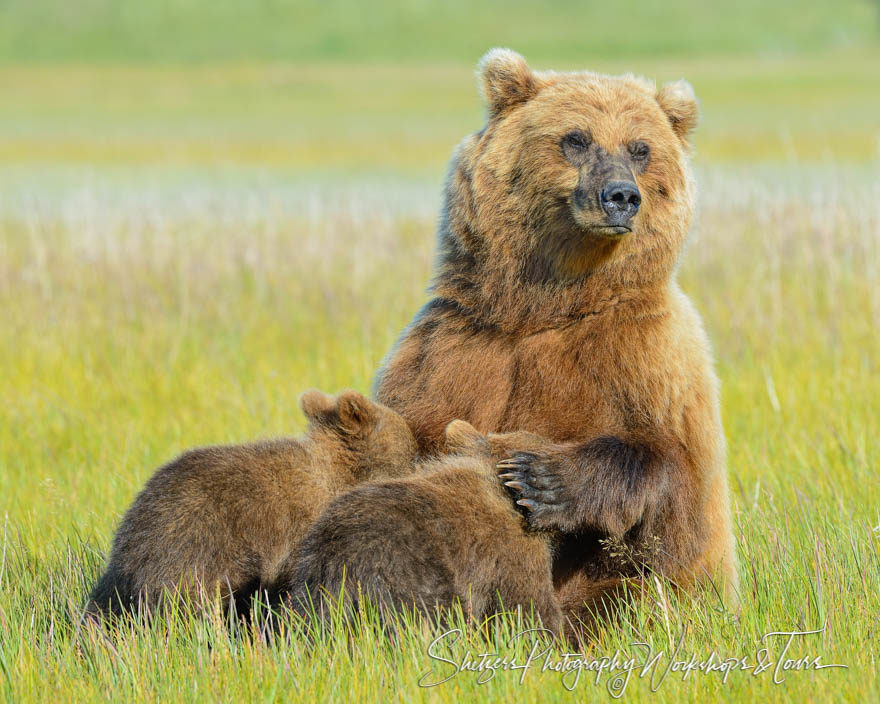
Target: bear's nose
[620, 201]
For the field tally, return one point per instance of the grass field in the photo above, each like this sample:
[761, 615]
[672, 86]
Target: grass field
[137, 324]
[202, 217]
[344, 120]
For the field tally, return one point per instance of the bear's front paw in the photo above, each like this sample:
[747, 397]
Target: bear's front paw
[536, 486]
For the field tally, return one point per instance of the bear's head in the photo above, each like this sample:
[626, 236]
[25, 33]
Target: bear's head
[577, 188]
[365, 437]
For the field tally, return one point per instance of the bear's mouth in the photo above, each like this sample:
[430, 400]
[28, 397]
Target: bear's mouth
[610, 231]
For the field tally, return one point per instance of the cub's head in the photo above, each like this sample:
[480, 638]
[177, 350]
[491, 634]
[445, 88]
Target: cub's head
[463, 439]
[374, 441]
[574, 169]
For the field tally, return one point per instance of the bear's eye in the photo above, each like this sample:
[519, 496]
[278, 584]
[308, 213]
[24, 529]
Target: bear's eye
[574, 147]
[639, 150]
[576, 139]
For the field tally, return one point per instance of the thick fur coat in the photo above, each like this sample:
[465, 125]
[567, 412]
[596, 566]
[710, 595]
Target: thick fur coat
[447, 534]
[226, 521]
[547, 319]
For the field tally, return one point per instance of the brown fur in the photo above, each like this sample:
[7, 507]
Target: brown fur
[448, 533]
[228, 518]
[542, 321]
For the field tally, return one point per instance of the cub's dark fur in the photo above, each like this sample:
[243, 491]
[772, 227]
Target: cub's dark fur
[447, 533]
[226, 519]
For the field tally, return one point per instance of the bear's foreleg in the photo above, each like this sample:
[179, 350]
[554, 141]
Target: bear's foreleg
[606, 484]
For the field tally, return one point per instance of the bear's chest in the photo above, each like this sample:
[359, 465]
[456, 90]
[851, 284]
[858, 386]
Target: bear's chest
[597, 378]
[567, 384]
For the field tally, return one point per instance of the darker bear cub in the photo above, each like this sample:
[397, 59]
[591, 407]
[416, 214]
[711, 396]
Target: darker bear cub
[448, 533]
[222, 521]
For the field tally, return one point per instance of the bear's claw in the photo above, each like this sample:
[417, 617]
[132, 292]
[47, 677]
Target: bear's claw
[511, 463]
[527, 504]
[534, 485]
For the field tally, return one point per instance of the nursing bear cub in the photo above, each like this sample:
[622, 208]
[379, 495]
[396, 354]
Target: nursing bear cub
[227, 520]
[447, 534]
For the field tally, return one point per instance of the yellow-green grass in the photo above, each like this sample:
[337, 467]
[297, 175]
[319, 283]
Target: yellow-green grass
[141, 318]
[340, 119]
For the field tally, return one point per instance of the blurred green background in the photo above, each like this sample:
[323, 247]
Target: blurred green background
[342, 87]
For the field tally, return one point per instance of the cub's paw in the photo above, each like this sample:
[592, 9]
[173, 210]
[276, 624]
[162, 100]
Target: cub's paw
[534, 482]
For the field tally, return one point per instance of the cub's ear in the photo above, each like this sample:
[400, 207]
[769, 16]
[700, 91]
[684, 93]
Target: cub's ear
[316, 405]
[463, 438]
[507, 80]
[356, 412]
[349, 412]
[678, 101]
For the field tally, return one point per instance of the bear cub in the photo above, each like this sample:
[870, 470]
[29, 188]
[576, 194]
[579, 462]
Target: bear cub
[447, 533]
[227, 519]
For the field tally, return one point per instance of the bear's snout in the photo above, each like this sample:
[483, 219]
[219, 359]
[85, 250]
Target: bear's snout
[620, 201]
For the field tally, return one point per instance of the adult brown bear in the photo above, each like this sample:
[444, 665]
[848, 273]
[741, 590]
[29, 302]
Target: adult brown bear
[556, 311]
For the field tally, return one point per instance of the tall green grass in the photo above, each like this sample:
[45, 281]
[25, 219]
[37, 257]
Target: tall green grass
[143, 317]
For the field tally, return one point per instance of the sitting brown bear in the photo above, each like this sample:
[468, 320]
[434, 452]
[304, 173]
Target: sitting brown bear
[556, 309]
[448, 533]
[227, 518]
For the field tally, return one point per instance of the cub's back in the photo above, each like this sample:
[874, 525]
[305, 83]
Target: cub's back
[425, 538]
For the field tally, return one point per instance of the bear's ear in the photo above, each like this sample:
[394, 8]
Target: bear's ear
[463, 438]
[507, 80]
[356, 412]
[678, 101]
[316, 405]
[349, 412]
